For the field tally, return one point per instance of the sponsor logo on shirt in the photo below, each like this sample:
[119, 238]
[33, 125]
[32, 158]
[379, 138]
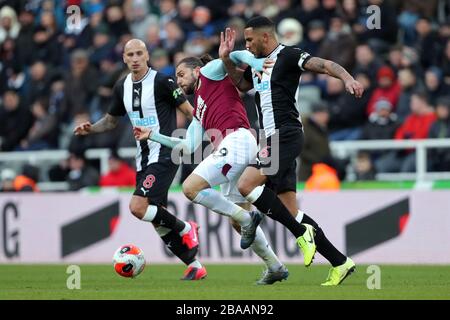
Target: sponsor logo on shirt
[177, 93]
[141, 122]
[263, 86]
[201, 108]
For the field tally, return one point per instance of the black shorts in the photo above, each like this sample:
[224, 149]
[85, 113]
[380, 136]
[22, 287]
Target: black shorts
[281, 170]
[153, 182]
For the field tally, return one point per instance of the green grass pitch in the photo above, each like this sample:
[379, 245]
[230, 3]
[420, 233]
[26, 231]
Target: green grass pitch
[223, 282]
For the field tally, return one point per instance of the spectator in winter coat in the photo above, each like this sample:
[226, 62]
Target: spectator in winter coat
[120, 174]
[388, 88]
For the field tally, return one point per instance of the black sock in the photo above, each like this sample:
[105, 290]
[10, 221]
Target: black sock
[166, 219]
[174, 243]
[271, 205]
[324, 246]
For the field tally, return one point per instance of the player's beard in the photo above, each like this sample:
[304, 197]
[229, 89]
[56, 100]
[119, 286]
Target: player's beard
[190, 89]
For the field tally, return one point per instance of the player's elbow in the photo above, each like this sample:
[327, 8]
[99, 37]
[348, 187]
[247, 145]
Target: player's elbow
[244, 86]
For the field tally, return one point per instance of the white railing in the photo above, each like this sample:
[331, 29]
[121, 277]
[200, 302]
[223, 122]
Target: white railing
[349, 148]
[48, 158]
[339, 148]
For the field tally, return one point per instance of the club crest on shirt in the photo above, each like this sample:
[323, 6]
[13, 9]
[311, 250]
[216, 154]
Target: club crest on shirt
[136, 102]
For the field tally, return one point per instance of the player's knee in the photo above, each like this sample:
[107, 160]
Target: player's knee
[244, 188]
[189, 191]
[138, 210]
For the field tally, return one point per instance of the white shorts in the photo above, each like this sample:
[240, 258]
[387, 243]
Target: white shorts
[225, 165]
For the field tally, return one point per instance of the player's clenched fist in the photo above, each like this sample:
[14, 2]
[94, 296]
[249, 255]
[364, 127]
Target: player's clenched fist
[83, 129]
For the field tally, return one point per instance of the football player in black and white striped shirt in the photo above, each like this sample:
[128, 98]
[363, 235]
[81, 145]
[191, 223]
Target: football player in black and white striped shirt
[150, 100]
[276, 98]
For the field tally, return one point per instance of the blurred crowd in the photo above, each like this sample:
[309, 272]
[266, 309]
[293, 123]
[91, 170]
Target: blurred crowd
[57, 70]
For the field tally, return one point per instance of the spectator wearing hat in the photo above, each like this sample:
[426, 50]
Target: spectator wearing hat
[381, 125]
[382, 122]
[290, 32]
[120, 174]
[9, 25]
[387, 88]
[439, 158]
[7, 177]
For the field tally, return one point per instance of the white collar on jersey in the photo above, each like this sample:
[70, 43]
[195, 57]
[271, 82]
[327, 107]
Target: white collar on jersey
[143, 78]
[275, 51]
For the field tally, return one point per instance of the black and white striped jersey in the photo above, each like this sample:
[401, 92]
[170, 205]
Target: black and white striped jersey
[150, 102]
[276, 93]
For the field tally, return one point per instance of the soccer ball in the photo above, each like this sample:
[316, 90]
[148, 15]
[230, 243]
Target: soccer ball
[129, 261]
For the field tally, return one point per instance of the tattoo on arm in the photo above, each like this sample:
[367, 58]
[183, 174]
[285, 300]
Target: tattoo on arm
[336, 70]
[108, 122]
[316, 65]
[331, 68]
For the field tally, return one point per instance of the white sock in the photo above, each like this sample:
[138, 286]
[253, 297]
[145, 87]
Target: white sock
[187, 228]
[262, 248]
[299, 216]
[150, 213]
[255, 194]
[215, 201]
[195, 264]
[162, 231]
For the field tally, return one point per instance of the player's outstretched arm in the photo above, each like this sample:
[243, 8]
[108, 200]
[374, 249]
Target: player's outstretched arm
[236, 75]
[333, 69]
[193, 139]
[108, 122]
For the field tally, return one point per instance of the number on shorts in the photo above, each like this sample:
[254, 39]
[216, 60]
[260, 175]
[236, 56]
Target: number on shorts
[148, 182]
